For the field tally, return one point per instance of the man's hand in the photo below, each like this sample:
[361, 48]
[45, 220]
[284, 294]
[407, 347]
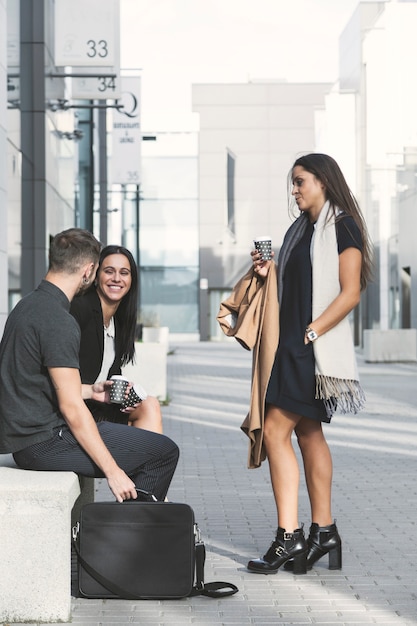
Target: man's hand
[101, 391]
[98, 392]
[67, 385]
[122, 486]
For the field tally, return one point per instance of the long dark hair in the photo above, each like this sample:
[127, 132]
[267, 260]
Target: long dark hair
[126, 314]
[337, 191]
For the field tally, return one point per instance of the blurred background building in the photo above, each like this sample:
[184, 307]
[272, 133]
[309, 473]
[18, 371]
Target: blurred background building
[191, 202]
[168, 232]
[249, 136]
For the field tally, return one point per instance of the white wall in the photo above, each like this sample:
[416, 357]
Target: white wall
[389, 55]
[3, 166]
[266, 126]
[378, 58]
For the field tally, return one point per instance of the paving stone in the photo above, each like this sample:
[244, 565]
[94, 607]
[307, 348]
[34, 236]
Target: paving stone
[375, 503]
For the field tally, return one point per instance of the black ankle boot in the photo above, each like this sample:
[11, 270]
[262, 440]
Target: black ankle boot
[286, 546]
[324, 540]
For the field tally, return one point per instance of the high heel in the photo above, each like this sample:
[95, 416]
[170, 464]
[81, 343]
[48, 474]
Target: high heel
[285, 547]
[324, 540]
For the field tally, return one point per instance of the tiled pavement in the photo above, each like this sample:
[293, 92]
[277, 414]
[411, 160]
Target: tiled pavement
[375, 503]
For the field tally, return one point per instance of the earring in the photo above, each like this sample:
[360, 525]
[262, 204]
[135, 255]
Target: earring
[85, 280]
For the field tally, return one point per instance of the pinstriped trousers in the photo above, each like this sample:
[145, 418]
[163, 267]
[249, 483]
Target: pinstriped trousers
[148, 458]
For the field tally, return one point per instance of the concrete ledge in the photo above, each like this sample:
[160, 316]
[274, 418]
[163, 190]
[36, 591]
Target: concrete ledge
[390, 345]
[150, 368]
[35, 542]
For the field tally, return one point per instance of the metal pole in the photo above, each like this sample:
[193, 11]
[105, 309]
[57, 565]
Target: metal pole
[102, 135]
[123, 214]
[32, 116]
[137, 243]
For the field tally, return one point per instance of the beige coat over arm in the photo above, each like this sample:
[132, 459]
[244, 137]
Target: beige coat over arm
[250, 314]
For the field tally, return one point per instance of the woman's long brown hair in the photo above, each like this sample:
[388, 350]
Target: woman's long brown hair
[327, 171]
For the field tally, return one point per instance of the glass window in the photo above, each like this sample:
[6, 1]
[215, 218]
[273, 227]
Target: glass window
[168, 232]
[169, 177]
[171, 296]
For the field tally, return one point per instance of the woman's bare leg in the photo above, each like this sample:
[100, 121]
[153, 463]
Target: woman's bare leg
[318, 469]
[147, 415]
[283, 464]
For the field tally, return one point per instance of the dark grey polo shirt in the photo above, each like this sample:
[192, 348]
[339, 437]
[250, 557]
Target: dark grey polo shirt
[39, 333]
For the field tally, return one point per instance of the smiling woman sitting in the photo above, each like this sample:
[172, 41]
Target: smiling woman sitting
[107, 315]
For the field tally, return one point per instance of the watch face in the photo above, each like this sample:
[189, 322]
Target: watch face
[312, 335]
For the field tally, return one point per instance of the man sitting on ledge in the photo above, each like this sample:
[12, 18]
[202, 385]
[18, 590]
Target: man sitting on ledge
[44, 421]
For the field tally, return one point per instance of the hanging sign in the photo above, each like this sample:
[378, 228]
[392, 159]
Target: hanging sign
[13, 50]
[126, 134]
[100, 87]
[87, 34]
[13, 34]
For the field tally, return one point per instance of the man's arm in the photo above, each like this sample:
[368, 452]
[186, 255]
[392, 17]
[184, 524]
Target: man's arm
[100, 392]
[67, 385]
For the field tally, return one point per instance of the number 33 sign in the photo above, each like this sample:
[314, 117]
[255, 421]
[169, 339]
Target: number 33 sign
[87, 33]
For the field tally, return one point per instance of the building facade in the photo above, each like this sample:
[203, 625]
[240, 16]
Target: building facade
[203, 197]
[168, 232]
[56, 165]
[377, 56]
[40, 154]
[4, 308]
[250, 134]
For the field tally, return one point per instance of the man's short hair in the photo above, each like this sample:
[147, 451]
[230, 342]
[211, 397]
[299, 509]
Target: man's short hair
[71, 249]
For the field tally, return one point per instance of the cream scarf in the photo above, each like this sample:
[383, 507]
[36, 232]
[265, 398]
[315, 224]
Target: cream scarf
[337, 378]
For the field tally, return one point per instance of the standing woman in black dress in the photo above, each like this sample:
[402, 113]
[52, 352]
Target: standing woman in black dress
[324, 263]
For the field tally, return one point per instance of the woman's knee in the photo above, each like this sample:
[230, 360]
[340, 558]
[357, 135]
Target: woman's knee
[152, 404]
[308, 433]
[147, 415]
[279, 426]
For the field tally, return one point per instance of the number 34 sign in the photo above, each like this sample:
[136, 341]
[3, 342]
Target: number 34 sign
[87, 33]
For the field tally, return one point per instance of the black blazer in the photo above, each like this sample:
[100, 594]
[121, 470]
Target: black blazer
[87, 311]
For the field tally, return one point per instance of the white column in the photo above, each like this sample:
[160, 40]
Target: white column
[3, 167]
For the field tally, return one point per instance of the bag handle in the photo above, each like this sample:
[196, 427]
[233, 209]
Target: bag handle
[146, 496]
[211, 590]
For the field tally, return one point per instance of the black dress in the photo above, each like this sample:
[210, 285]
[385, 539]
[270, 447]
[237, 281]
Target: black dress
[292, 382]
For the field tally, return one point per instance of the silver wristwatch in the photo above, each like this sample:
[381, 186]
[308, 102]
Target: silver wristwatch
[311, 334]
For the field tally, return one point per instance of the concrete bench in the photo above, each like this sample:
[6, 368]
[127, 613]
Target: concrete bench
[37, 510]
[388, 346]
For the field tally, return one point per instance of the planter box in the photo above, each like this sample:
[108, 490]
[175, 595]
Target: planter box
[386, 346]
[157, 334]
[150, 368]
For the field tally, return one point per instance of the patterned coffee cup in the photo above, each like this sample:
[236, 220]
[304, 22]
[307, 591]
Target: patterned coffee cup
[264, 246]
[136, 395]
[118, 389]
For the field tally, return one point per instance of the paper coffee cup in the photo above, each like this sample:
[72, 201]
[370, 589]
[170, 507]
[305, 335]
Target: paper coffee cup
[136, 395]
[264, 246]
[118, 389]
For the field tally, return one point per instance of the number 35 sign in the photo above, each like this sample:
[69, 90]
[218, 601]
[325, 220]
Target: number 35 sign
[87, 33]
